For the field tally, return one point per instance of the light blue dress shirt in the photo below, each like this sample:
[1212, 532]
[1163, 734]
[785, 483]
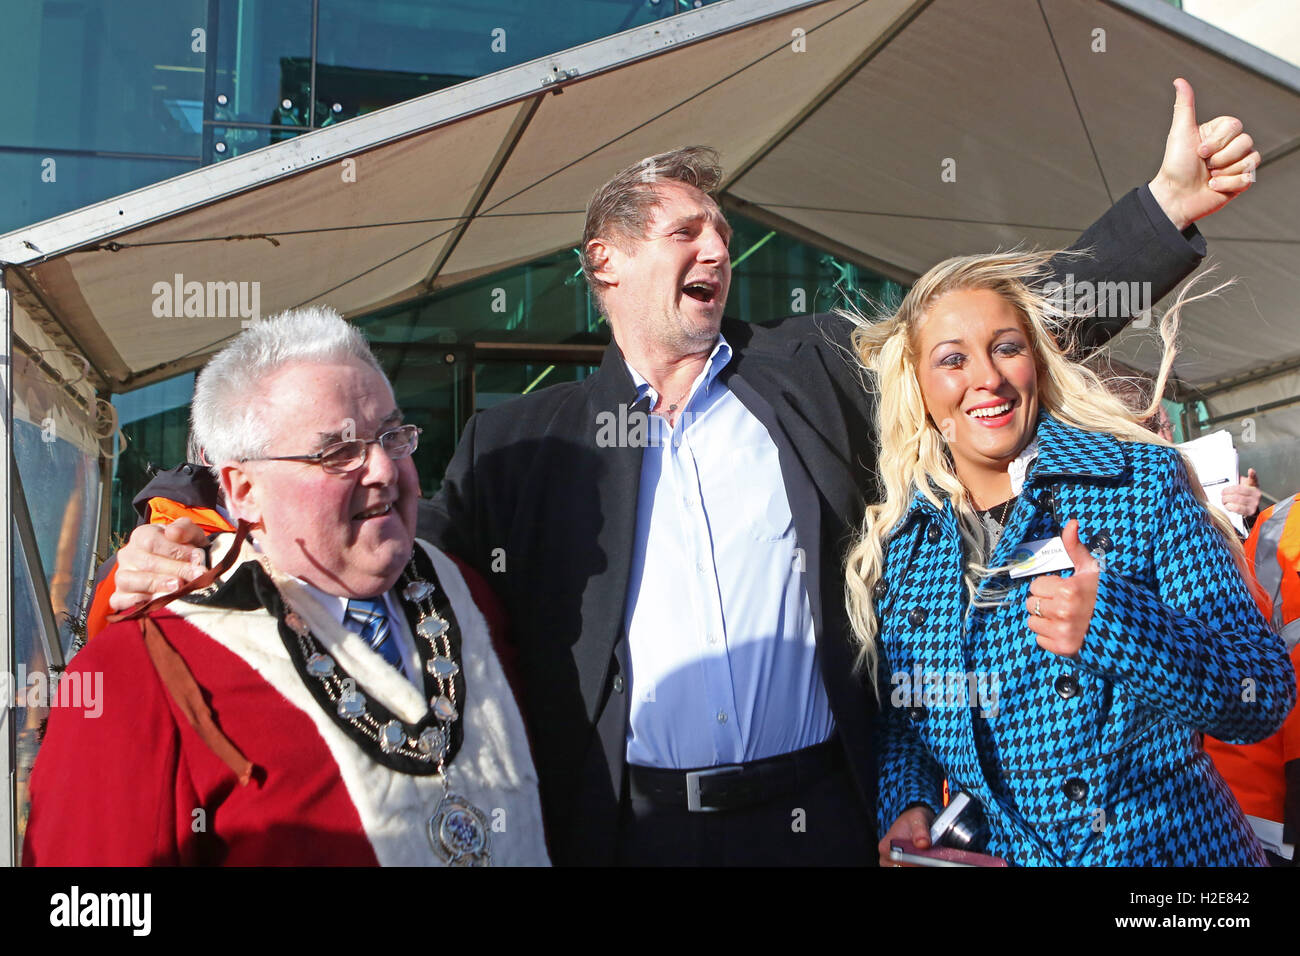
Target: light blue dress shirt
[720, 632]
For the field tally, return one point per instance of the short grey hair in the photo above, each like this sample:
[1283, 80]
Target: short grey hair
[621, 207]
[225, 417]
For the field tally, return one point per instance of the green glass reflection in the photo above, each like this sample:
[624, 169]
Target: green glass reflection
[500, 381]
[544, 301]
[774, 276]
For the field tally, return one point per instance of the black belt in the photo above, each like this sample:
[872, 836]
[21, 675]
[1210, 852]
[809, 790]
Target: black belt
[733, 786]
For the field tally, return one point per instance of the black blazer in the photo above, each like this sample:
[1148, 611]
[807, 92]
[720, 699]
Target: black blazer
[534, 502]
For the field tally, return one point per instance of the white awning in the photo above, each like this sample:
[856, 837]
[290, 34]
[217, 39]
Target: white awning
[834, 120]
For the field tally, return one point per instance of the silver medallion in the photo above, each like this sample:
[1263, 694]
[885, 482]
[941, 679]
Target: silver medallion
[443, 667]
[431, 627]
[296, 624]
[432, 741]
[352, 705]
[418, 591]
[445, 709]
[391, 736]
[459, 833]
[320, 665]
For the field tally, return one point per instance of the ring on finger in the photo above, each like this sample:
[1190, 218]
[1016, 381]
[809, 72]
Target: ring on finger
[1038, 607]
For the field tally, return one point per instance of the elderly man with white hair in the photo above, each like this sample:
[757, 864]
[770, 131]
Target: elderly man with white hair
[331, 694]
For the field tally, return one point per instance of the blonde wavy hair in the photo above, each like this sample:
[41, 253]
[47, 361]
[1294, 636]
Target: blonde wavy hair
[913, 454]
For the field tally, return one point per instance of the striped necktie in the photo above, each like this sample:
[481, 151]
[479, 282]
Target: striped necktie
[369, 618]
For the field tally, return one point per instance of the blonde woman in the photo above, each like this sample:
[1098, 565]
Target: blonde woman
[1053, 614]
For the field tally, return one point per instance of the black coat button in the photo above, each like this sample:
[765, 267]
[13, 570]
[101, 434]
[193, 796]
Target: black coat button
[618, 683]
[1067, 686]
[188, 470]
[917, 617]
[1075, 789]
[916, 714]
[1100, 542]
[880, 589]
[934, 534]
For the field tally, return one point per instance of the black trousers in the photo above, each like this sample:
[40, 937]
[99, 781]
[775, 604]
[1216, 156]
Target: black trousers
[821, 824]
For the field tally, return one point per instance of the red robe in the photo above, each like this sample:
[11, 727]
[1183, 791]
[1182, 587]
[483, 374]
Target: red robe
[135, 784]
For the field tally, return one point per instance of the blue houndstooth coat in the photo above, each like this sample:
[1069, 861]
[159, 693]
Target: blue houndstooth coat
[1096, 760]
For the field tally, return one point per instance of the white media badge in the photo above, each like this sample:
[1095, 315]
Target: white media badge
[1040, 557]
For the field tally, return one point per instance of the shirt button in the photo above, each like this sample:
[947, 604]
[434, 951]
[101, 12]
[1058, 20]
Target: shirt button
[714, 637]
[618, 683]
[722, 716]
[1075, 789]
[1066, 686]
[934, 534]
[699, 566]
[917, 617]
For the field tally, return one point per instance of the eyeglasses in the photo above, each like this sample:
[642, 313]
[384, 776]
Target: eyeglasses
[347, 456]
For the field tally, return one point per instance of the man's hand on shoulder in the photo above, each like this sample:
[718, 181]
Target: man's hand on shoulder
[1205, 166]
[155, 560]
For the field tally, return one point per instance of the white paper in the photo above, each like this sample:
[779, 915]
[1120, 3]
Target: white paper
[1214, 461]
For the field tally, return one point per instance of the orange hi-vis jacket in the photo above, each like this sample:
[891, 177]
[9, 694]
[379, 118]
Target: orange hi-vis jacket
[1257, 773]
[158, 504]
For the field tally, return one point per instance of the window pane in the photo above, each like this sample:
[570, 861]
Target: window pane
[115, 75]
[430, 387]
[496, 382]
[38, 186]
[156, 422]
[263, 58]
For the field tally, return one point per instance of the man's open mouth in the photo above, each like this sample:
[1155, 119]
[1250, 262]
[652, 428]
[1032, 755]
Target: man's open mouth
[376, 512]
[701, 291]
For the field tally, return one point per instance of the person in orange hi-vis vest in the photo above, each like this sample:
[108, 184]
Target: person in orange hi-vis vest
[1265, 777]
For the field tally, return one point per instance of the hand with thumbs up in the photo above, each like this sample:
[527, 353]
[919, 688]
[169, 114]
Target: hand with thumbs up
[1205, 166]
[1060, 609]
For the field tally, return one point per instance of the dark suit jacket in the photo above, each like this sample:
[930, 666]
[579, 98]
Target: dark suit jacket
[534, 501]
